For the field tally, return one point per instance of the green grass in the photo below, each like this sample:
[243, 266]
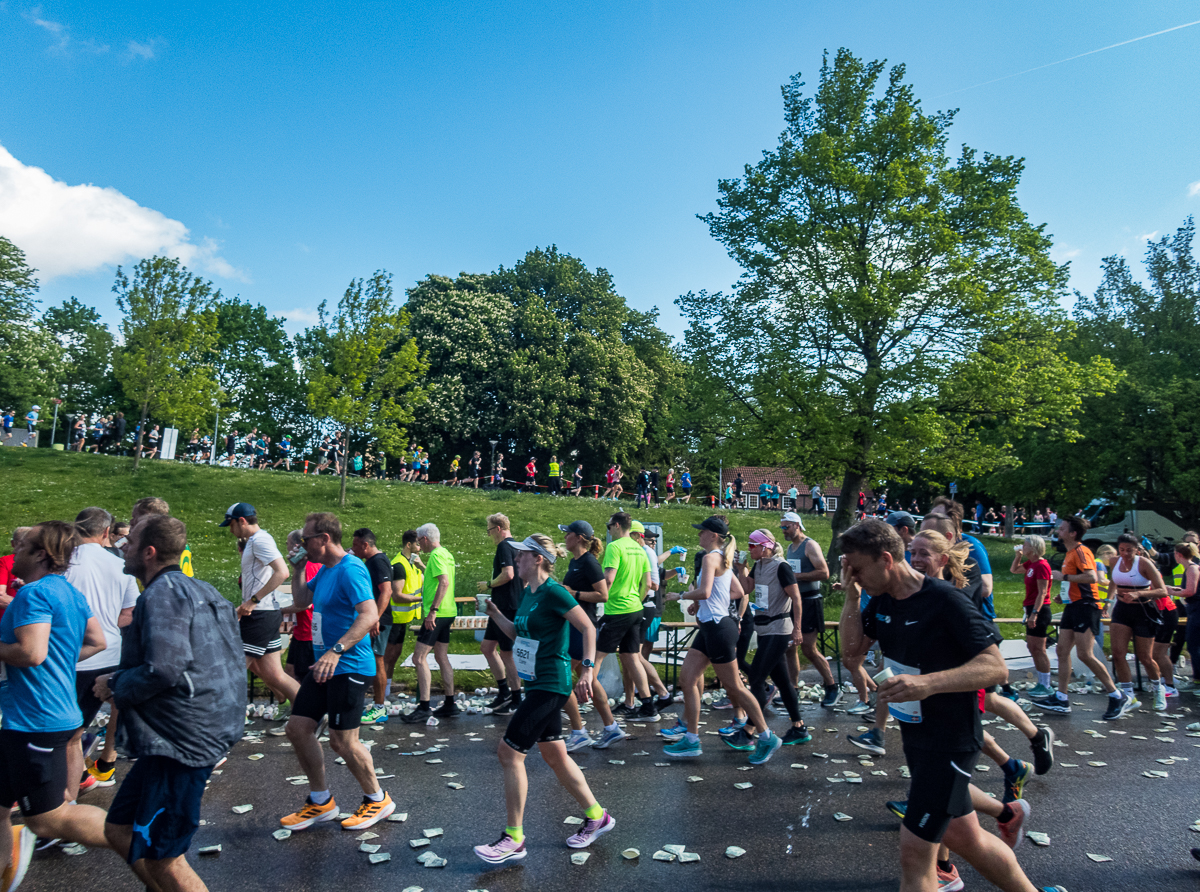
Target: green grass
[43, 484]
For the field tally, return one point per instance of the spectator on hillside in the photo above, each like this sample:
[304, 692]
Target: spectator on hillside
[738, 485]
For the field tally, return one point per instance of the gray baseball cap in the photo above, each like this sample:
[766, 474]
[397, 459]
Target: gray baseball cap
[532, 544]
[902, 519]
[579, 528]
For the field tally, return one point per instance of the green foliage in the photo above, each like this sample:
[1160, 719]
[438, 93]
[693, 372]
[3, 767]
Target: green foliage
[29, 360]
[363, 366]
[87, 348]
[170, 334]
[18, 287]
[899, 314]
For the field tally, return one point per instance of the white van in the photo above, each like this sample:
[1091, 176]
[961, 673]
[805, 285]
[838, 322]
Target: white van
[1108, 521]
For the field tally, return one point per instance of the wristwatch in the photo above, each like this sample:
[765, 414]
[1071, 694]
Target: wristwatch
[587, 664]
[339, 648]
[254, 599]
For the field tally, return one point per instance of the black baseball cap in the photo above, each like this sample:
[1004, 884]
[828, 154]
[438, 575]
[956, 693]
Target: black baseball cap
[240, 509]
[713, 525]
[579, 528]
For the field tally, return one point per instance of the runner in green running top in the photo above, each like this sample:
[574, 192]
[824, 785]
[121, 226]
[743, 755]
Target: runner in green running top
[541, 656]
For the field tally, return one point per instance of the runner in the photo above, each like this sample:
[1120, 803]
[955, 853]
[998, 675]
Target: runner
[407, 579]
[322, 456]
[42, 635]
[531, 474]
[1080, 622]
[1186, 579]
[498, 471]
[648, 633]
[807, 562]
[100, 578]
[540, 631]
[716, 643]
[654, 475]
[343, 613]
[939, 657]
[505, 593]
[685, 485]
[285, 454]
[260, 615]
[577, 481]
[437, 597]
[618, 489]
[452, 480]
[474, 470]
[627, 573]
[1137, 585]
[610, 481]
[586, 583]
[642, 495]
[1169, 611]
[180, 691]
[1030, 561]
[300, 650]
[364, 547]
[670, 485]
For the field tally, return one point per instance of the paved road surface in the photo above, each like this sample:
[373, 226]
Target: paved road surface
[784, 822]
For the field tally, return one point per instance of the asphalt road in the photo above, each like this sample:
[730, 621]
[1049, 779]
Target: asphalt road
[784, 822]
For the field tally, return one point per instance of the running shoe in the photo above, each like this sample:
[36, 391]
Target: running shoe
[503, 849]
[860, 708]
[283, 711]
[608, 738]
[508, 707]
[590, 830]
[1014, 784]
[1172, 692]
[23, 840]
[796, 735]
[684, 749]
[739, 741]
[732, 728]
[1042, 745]
[1039, 690]
[899, 809]
[104, 778]
[310, 814]
[765, 749]
[1064, 888]
[624, 711]
[46, 842]
[949, 880]
[578, 740]
[87, 783]
[1007, 691]
[1053, 703]
[373, 714]
[369, 813]
[1160, 698]
[419, 716]
[674, 732]
[447, 710]
[499, 701]
[322, 728]
[1118, 706]
[664, 702]
[833, 696]
[1011, 830]
[871, 741]
[647, 713]
[723, 703]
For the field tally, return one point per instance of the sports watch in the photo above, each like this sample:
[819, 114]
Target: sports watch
[339, 648]
[587, 664]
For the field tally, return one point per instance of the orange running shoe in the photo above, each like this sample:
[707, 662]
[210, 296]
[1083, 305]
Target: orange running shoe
[310, 814]
[369, 813]
[23, 841]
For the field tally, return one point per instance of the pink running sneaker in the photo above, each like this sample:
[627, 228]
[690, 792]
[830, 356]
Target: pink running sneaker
[592, 829]
[503, 849]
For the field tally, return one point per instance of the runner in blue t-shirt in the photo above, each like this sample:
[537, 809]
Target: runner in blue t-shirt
[46, 629]
[344, 612]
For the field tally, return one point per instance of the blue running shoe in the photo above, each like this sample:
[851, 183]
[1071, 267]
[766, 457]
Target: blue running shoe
[683, 749]
[765, 749]
[732, 728]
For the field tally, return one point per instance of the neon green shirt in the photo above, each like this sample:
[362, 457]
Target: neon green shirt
[439, 563]
[629, 559]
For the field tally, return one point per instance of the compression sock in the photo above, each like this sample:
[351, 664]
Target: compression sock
[517, 834]
[1006, 815]
[502, 688]
[377, 796]
[944, 866]
[594, 812]
[101, 765]
[387, 689]
[319, 797]
[1011, 767]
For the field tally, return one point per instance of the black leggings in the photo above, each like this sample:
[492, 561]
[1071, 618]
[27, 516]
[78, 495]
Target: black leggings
[771, 660]
[745, 631]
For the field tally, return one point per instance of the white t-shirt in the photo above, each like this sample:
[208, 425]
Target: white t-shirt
[654, 574]
[100, 577]
[256, 569]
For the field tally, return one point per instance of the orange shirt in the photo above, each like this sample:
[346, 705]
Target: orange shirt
[1080, 560]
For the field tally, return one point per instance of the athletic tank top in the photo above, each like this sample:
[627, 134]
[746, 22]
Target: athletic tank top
[1131, 578]
[800, 562]
[716, 607]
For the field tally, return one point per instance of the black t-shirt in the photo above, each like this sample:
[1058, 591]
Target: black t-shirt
[936, 629]
[582, 575]
[643, 479]
[507, 596]
[654, 479]
[380, 569]
[577, 480]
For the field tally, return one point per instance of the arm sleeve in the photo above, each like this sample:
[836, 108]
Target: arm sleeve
[164, 627]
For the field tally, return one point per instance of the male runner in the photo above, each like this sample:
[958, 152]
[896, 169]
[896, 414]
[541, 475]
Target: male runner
[505, 592]
[380, 570]
[577, 481]
[685, 485]
[807, 561]
[437, 597]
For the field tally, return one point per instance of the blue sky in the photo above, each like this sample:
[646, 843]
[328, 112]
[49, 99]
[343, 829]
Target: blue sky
[282, 149]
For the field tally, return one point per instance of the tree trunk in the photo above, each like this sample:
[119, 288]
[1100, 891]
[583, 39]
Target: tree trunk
[137, 447]
[1008, 521]
[345, 467]
[843, 517]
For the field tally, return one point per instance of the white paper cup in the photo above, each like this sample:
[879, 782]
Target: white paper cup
[884, 675]
[481, 602]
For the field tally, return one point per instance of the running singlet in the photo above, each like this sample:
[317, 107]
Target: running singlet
[716, 606]
[1079, 560]
[800, 562]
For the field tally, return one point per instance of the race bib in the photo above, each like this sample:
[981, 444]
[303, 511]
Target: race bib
[762, 594]
[1064, 591]
[318, 638]
[904, 712]
[794, 563]
[525, 658]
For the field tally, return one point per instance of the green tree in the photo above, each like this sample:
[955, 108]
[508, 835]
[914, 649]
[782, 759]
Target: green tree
[898, 315]
[170, 334]
[87, 350]
[30, 360]
[363, 366]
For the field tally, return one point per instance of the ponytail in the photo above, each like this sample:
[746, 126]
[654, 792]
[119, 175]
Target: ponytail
[595, 547]
[728, 553]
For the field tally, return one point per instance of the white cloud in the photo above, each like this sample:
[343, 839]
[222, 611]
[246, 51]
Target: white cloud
[141, 50]
[62, 34]
[66, 230]
[1194, 189]
[1147, 236]
[298, 319]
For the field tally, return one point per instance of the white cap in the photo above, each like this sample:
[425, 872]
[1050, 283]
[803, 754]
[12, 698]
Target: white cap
[792, 517]
[37, 408]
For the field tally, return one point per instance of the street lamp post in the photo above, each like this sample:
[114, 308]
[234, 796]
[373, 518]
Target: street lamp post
[720, 472]
[493, 442]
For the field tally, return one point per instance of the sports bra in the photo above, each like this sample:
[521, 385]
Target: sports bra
[716, 606]
[1131, 578]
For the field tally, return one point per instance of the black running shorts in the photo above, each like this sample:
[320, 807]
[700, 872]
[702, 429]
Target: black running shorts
[160, 799]
[717, 640]
[439, 634]
[260, 632]
[341, 698]
[1041, 627]
[538, 719]
[300, 656]
[1170, 620]
[89, 703]
[812, 614]
[1143, 617]
[619, 633]
[34, 773]
[493, 633]
[939, 791]
[1080, 616]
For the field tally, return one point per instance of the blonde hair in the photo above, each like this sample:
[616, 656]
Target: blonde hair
[1104, 552]
[1189, 549]
[498, 520]
[549, 544]
[728, 552]
[774, 547]
[1036, 544]
[956, 554]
